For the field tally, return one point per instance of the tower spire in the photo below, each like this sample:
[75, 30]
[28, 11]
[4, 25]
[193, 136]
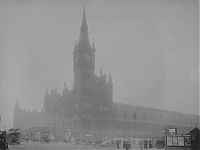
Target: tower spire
[84, 27]
[84, 38]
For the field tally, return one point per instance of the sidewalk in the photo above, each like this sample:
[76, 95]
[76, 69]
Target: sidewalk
[139, 148]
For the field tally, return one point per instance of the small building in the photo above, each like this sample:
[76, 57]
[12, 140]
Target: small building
[195, 139]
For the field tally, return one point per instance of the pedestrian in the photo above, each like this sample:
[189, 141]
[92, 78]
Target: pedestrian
[94, 144]
[127, 145]
[117, 142]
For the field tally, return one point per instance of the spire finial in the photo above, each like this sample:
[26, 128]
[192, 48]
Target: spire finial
[84, 7]
[83, 38]
[84, 21]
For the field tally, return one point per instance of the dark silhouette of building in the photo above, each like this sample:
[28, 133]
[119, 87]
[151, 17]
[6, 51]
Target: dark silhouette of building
[89, 108]
[195, 139]
[91, 99]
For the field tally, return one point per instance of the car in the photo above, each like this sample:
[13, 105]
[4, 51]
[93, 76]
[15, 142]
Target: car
[3, 143]
[107, 143]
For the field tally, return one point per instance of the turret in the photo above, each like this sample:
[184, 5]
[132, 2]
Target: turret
[104, 78]
[93, 54]
[93, 46]
[100, 75]
[65, 86]
[75, 45]
[110, 84]
[65, 89]
[46, 93]
[46, 96]
[16, 114]
[17, 108]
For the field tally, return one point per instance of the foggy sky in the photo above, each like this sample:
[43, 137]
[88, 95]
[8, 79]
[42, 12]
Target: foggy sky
[151, 48]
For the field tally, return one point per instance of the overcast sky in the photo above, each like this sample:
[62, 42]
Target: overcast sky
[151, 47]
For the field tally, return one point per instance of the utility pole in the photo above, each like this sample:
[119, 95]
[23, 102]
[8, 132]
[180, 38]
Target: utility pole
[134, 117]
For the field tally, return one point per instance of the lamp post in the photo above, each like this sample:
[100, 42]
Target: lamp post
[134, 117]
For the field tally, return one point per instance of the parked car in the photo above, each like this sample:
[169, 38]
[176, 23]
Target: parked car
[3, 143]
[107, 143]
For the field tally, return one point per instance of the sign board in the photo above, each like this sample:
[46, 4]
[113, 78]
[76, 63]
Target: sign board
[169, 141]
[187, 141]
[180, 141]
[175, 141]
[172, 131]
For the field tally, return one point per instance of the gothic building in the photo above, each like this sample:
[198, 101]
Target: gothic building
[91, 99]
[88, 109]
[27, 118]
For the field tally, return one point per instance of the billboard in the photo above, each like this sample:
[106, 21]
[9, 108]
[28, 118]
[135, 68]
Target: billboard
[172, 131]
[187, 141]
[169, 141]
[175, 141]
[178, 141]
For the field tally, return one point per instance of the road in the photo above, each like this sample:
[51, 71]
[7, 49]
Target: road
[62, 146]
[55, 146]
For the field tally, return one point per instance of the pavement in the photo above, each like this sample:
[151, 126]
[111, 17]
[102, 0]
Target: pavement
[54, 146]
[62, 146]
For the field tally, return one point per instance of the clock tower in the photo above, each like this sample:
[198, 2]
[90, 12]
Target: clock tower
[91, 99]
[83, 58]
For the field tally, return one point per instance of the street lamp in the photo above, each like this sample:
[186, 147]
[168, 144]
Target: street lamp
[134, 117]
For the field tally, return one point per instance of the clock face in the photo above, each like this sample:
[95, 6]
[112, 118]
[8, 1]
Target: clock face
[76, 58]
[87, 58]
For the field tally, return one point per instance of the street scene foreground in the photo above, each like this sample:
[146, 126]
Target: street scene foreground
[60, 146]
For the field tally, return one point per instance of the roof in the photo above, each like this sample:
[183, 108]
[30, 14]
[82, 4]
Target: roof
[195, 130]
[146, 113]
